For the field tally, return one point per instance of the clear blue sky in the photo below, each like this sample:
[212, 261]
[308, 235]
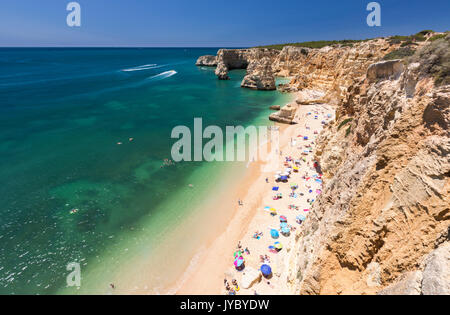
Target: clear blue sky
[210, 22]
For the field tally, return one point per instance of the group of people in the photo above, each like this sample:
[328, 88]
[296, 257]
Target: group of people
[233, 288]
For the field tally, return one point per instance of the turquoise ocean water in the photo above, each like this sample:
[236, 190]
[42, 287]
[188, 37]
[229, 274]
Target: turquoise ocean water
[62, 113]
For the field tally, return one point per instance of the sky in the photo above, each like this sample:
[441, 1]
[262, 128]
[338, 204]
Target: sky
[210, 23]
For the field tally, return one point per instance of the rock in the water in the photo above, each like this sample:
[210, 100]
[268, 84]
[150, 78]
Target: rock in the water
[275, 107]
[250, 277]
[259, 76]
[207, 61]
[222, 71]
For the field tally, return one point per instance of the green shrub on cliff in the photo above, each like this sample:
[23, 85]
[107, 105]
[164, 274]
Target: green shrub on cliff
[434, 60]
[342, 124]
[438, 36]
[400, 53]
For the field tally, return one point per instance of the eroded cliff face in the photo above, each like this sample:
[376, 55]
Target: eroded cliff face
[253, 59]
[330, 70]
[382, 223]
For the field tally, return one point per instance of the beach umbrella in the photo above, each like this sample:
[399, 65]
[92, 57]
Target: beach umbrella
[266, 270]
[278, 246]
[301, 217]
[283, 218]
[274, 233]
[284, 177]
[237, 254]
[238, 262]
[275, 188]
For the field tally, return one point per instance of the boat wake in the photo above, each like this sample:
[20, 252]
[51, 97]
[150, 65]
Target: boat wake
[163, 75]
[141, 68]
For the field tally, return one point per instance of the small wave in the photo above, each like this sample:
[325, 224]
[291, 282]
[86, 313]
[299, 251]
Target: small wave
[163, 75]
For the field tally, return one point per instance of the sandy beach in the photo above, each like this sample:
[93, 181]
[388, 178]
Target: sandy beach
[214, 263]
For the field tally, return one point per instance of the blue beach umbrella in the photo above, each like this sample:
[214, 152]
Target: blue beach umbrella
[284, 178]
[283, 225]
[266, 270]
[301, 217]
[275, 188]
[274, 233]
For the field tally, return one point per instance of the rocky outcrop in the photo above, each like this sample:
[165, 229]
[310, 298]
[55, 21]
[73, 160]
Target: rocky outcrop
[408, 284]
[259, 75]
[257, 61]
[229, 59]
[436, 274]
[329, 69]
[385, 70]
[433, 278]
[207, 61]
[382, 221]
[285, 115]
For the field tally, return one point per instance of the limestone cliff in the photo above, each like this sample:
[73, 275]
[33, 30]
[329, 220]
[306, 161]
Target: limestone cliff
[207, 61]
[260, 75]
[251, 59]
[382, 223]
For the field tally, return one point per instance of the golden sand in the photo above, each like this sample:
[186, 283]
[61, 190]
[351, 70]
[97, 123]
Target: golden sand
[215, 262]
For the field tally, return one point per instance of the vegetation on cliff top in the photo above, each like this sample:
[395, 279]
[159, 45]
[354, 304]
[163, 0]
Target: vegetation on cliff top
[434, 59]
[400, 53]
[397, 39]
[408, 44]
[317, 44]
